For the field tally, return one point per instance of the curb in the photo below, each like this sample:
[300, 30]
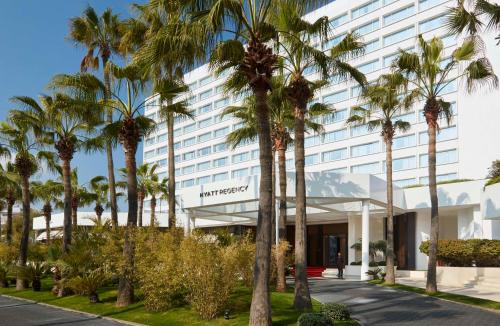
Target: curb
[121, 321]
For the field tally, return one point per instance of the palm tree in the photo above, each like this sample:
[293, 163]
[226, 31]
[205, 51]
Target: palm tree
[10, 182]
[80, 197]
[104, 35]
[426, 73]
[154, 188]
[17, 138]
[474, 17]
[294, 42]
[47, 192]
[385, 100]
[67, 124]
[99, 189]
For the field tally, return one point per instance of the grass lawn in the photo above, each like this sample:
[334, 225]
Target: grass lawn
[484, 303]
[283, 312]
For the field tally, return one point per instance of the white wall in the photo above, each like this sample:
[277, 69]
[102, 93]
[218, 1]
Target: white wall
[422, 227]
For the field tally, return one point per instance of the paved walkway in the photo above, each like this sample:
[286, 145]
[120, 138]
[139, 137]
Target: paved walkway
[15, 312]
[377, 305]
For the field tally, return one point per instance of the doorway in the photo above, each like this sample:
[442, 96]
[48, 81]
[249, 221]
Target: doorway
[332, 245]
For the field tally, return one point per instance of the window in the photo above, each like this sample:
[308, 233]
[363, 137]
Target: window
[162, 163]
[188, 169]
[220, 162]
[150, 141]
[161, 126]
[365, 149]
[220, 118]
[162, 175]
[338, 170]
[365, 9]
[450, 87]
[177, 132]
[336, 116]
[335, 135]
[188, 156]
[439, 178]
[404, 141]
[398, 15]
[290, 164]
[335, 155]
[177, 158]
[205, 109]
[177, 171]
[189, 142]
[221, 132]
[449, 40]
[311, 141]
[371, 168]
[404, 163]
[204, 151]
[339, 20]
[203, 166]
[203, 180]
[255, 170]
[240, 173]
[151, 116]
[333, 41]
[335, 97]
[192, 86]
[443, 135]
[388, 2]
[188, 183]
[367, 28]
[191, 100]
[399, 36]
[221, 103]
[369, 67]
[149, 154]
[205, 81]
[204, 123]
[219, 89]
[161, 150]
[220, 176]
[189, 128]
[426, 4]
[430, 24]
[443, 157]
[177, 145]
[311, 159]
[408, 117]
[238, 125]
[255, 154]
[360, 130]
[241, 157]
[372, 45]
[220, 147]
[162, 138]
[204, 137]
[405, 182]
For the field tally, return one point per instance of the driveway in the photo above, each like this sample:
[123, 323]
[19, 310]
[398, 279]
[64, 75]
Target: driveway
[377, 305]
[15, 312]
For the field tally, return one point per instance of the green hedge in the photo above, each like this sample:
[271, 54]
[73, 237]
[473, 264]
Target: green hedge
[481, 252]
[313, 319]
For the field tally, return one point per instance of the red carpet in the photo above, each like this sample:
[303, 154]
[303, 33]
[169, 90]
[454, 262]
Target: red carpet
[312, 271]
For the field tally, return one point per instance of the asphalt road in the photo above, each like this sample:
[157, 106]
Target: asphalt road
[15, 312]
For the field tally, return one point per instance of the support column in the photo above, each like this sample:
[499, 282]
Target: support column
[187, 224]
[277, 224]
[365, 239]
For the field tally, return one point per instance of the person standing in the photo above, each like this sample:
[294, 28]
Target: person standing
[340, 265]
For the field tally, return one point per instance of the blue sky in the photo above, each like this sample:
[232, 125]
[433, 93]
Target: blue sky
[35, 48]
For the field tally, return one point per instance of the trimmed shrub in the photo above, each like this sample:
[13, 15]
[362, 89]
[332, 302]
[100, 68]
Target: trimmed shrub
[88, 284]
[335, 311]
[314, 319]
[463, 253]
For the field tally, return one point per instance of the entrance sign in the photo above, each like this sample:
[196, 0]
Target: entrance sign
[223, 191]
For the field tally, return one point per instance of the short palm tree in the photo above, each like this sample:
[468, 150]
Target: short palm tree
[10, 183]
[98, 192]
[102, 34]
[156, 188]
[295, 43]
[474, 17]
[47, 192]
[67, 124]
[385, 100]
[18, 138]
[426, 73]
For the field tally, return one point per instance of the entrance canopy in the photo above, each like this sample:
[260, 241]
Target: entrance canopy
[329, 196]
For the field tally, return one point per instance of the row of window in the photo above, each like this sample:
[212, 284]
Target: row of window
[425, 180]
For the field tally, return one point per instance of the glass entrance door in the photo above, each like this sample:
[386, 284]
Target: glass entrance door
[332, 245]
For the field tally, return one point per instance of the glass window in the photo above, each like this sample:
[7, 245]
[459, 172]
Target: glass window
[204, 151]
[220, 118]
[255, 154]
[367, 28]
[372, 45]
[221, 132]
[178, 145]
[161, 150]
[404, 163]
[431, 24]
[365, 149]
[311, 141]
[162, 175]
[333, 41]
[449, 40]
[205, 81]
[203, 166]
[150, 141]
[240, 173]
[205, 108]
[205, 123]
[336, 116]
[398, 15]
[177, 171]
[405, 182]
[404, 141]
[408, 117]
[149, 154]
[371, 168]
[220, 176]
[440, 178]
[399, 36]
[162, 163]
[360, 130]
[220, 162]
[369, 67]
[290, 164]
[388, 2]
[335, 135]
[177, 132]
[338, 170]
[189, 128]
[203, 180]
[222, 103]
[364, 9]
[255, 170]
[426, 4]
[187, 183]
[337, 154]
[161, 126]
[188, 169]
[339, 20]
[443, 135]
[443, 157]
[311, 159]
[189, 142]
[192, 86]
[177, 158]
[449, 88]
[204, 137]
[241, 157]
[162, 138]
[220, 147]
[219, 89]
[188, 156]
[336, 97]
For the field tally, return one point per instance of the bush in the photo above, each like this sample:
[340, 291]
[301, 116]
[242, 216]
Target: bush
[314, 319]
[88, 284]
[335, 311]
[243, 253]
[33, 272]
[4, 277]
[460, 253]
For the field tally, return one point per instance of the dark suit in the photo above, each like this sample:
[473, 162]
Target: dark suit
[340, 266]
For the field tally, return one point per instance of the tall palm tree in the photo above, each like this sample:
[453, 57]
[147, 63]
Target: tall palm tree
[10, 182]
[474, 17]
[18, 138]
[102, 34]
[67, 124]
[47, 192]
[426, 73]
[385, 100]
[99, 189]
[295, 44]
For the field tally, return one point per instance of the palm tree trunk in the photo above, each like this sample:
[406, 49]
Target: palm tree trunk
[8, 222]
[280, 263]
[171, 171]
[431, 285]
[47, 210]
[260, 310]
[109, 152]
[68, 201]
[390, 277]
[141, 207]
[273, 199]
[153, 211]
[125, 295]
[74, 211]
[302, 300]
[23, 247]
